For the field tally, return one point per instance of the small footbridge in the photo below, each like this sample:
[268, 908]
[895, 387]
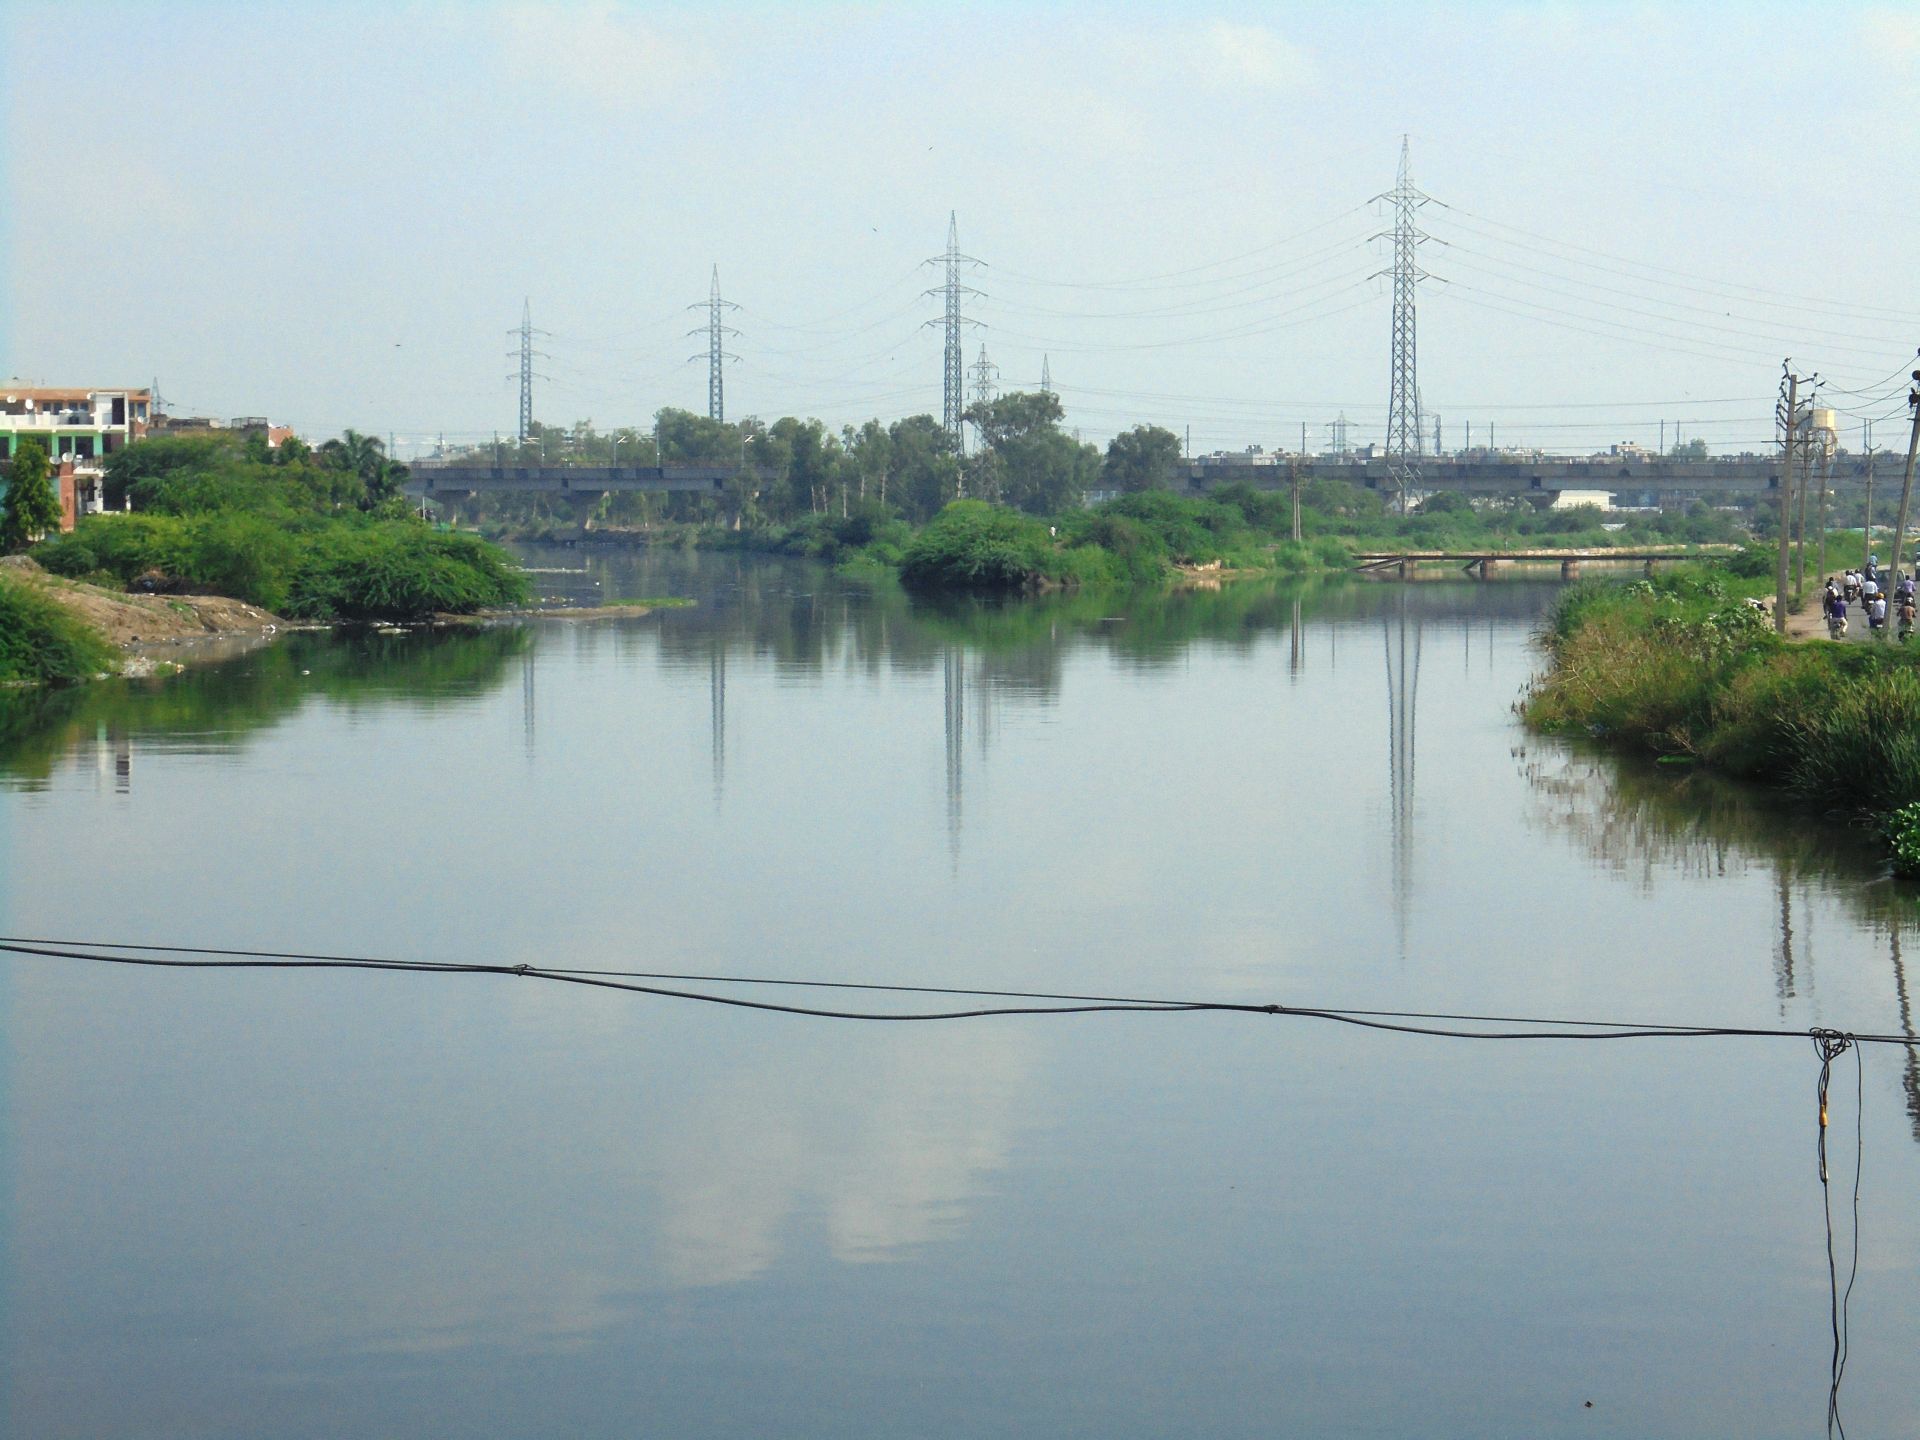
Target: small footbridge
[1484, 562]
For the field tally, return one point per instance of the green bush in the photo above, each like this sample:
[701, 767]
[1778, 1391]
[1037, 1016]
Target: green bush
[1903, 840]
[349, 568]
[394, 570]
[41, 644]
[974, 546]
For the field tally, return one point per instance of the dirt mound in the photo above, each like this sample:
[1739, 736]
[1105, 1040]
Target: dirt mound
[128, 620]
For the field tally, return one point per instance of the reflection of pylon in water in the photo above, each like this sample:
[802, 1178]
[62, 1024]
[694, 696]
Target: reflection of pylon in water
[1910, 1078]
[1297, 659]
[1402, 639]
[956, 701]
[526, 702]
[1784, 984]
[717, 716]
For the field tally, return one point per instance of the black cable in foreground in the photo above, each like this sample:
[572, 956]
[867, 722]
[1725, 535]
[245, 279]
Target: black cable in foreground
[1503, 1027]
[1830, 1045]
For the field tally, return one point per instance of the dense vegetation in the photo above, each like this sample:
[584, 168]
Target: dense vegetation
[312, 534]
[1681, 666]
[41, 644]
[877, 498]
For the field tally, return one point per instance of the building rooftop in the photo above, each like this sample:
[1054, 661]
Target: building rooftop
[68, 394]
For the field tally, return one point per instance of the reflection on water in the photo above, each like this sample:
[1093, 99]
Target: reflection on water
[480, 1199]
[1401, 633]
[1652, 821]
[217, 708]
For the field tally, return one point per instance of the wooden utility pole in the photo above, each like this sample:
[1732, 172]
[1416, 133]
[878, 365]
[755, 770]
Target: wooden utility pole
[1906, 485]
[1788, 418]
[1294, 477]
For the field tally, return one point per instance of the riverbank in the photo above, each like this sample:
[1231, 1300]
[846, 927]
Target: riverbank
[62, 631]
[1682, 668]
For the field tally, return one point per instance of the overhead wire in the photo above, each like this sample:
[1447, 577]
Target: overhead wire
[1509, 1027]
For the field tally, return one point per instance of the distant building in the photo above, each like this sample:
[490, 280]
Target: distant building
[80, 428]
[1567, 499]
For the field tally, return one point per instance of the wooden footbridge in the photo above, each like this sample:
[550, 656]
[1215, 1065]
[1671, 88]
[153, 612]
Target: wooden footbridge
[1484, 562]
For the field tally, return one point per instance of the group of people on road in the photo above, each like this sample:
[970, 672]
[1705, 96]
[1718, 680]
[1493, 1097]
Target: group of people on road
[1877, 593]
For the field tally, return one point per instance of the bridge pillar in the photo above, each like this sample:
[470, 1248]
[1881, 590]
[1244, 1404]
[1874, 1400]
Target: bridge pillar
[1406, 569]
[1569, 569]
[1485, 567]
[1649, 570]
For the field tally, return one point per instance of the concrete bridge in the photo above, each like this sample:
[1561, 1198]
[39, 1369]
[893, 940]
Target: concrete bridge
[433, 477]
[1632, 481]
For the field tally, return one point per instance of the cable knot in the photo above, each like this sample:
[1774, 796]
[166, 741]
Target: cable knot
[523, 969]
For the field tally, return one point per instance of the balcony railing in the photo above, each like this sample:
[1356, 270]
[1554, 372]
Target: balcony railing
[56, 420]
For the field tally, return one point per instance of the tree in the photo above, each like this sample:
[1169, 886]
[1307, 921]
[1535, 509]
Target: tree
[923, 473]
[1143, 458]
[1694, 450]
[1028, 461]
[31, 507]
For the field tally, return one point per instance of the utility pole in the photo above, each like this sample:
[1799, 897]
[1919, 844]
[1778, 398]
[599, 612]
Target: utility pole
[528, 375]
[1403, 394]
[1806, 477]
[1293, 476]
[1787, 414]
[1436, 437]
[1906, 485]
[953, 401]
[1866, 440]
[1826, 474]
[716, 330]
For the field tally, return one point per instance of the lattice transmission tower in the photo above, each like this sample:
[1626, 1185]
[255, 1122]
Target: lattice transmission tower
[528, 374]
[1046, 376]
[1404, 440]
[953, 398]
[985, 378]
[716, 330]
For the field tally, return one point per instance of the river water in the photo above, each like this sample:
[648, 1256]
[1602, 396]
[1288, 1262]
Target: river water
[325, 1203]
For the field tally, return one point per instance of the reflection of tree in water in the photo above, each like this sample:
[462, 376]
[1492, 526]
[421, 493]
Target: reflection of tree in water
[220, 705]
[1644, 820]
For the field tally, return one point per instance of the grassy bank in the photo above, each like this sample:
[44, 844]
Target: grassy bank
[1680, 666]
[41, 644]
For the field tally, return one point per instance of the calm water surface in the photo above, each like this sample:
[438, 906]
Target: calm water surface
[333, 1203]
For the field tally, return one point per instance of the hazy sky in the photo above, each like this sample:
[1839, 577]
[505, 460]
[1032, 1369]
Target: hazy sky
[330, 213]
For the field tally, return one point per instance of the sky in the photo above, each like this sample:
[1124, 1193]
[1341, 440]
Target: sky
[331, 214]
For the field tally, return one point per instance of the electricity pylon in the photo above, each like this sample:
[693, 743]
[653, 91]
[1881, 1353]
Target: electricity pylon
[1403, 396]
[953, 399]
[716, 330]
